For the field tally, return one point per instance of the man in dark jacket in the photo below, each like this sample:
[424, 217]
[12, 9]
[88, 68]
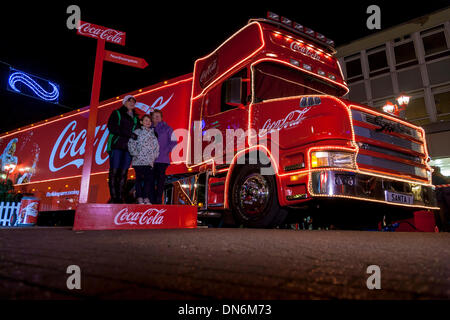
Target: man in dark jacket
[121, 124]
[164, 134]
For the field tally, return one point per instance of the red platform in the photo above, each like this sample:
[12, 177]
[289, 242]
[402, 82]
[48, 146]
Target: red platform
[423, 221]
[97, 216]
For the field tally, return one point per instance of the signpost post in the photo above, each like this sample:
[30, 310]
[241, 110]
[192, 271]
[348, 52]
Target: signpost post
[102, 34]
[92, 122]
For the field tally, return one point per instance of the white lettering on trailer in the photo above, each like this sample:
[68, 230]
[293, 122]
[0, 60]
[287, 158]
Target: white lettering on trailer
[150, 216]
[69, 143]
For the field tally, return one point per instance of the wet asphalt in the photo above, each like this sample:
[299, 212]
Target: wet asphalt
[225, 263]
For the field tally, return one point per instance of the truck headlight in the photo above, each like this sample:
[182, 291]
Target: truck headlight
[332, 159]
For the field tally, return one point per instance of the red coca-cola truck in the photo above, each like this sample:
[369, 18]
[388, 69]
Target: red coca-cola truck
[277, 84]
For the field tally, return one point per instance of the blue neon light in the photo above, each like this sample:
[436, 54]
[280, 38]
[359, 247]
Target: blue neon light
[18, 77]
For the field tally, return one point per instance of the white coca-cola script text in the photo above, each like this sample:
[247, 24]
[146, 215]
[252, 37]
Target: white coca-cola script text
[149, 216]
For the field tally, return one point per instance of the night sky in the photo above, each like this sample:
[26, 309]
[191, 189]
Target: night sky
[170, 35]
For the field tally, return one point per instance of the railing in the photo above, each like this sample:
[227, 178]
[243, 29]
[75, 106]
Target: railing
[7, 209]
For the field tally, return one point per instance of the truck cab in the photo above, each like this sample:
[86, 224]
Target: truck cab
[278, 84]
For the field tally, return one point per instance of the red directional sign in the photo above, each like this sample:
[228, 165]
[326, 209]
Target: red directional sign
[101, 33]
[125, 59]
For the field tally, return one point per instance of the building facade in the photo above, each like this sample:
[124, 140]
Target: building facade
[411, 58]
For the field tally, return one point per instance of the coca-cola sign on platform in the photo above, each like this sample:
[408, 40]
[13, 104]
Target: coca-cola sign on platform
[149, 216]
[97, 216]
[102, 33]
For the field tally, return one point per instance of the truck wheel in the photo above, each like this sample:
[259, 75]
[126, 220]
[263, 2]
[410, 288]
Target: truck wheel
[254, 199]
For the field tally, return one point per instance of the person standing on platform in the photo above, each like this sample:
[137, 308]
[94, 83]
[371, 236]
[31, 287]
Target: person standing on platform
[144, 151]
[121, 124]
[164, 134]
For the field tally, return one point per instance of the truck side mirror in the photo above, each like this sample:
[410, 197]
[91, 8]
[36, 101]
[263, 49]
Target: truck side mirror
[233, 92]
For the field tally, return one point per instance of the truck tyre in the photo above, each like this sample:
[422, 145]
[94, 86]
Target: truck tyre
[254, 199]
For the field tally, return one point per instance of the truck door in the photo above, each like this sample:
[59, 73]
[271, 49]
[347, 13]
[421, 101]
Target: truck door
[225, 107]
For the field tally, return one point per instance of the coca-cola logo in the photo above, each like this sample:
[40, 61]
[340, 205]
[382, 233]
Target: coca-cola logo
[305, 50]
[208, 73]
[158, 104]
[149, 216]
[72, 144]
[30, 209]
[294, 118]
[99, 32]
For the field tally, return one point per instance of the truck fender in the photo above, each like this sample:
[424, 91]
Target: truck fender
[250, 156]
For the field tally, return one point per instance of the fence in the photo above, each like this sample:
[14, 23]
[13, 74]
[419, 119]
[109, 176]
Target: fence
[7, 209]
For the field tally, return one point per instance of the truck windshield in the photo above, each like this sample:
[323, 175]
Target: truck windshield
[272, 80]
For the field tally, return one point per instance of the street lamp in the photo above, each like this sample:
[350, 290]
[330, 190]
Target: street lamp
[403, 100]
[394, 109]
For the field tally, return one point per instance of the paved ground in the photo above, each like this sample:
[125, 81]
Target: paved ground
[222, 263]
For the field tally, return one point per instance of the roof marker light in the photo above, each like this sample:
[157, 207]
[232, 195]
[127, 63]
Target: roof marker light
[309, 31]
[320, 37]
[298, 26]
[307, 67]
[330, 42]
[295, 62]
[286, 21]
[273, 16]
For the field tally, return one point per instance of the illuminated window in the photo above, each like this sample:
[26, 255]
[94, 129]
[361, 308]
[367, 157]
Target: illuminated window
[443, 164]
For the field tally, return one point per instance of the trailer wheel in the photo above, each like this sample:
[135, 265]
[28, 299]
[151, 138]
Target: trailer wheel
[254, 199]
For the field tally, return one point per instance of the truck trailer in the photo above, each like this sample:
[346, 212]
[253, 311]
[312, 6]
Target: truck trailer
[277, 88]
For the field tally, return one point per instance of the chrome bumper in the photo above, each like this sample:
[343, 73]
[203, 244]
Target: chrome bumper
[347, 184]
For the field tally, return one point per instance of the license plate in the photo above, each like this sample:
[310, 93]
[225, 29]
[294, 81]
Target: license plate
[398, 197]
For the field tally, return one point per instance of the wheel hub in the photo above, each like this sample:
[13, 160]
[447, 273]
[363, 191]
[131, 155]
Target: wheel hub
[254, 194]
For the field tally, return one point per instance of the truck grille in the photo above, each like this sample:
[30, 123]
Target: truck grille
[381, 141]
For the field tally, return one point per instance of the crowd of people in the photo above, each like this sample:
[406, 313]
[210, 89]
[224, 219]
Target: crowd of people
[145, 144]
